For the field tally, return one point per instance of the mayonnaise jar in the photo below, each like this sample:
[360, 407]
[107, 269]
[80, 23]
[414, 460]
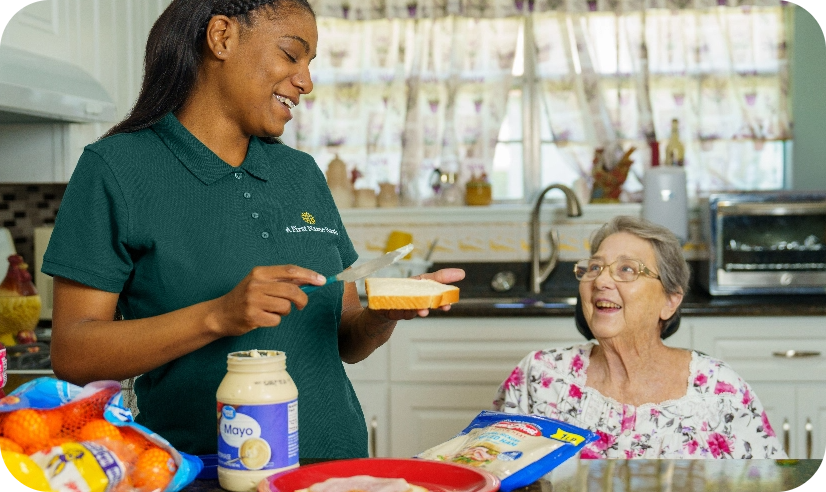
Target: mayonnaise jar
[257, 419]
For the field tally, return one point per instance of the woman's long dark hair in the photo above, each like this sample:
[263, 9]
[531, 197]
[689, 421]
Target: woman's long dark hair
[173, 54]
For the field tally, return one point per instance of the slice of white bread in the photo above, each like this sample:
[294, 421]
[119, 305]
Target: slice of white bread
[364, 483]
[408, 293]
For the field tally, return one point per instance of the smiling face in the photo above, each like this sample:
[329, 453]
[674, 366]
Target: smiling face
[266, 67]
[627, 309]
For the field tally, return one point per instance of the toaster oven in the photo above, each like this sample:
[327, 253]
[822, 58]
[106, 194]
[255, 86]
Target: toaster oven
[765, 243]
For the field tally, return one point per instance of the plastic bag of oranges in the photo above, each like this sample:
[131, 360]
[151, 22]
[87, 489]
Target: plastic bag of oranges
[58, 437]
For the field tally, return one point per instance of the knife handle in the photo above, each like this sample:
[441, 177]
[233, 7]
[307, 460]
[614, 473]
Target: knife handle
[309, 288]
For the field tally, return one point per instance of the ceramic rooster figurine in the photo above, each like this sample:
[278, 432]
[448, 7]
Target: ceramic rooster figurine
[608, 180]
[19, 303]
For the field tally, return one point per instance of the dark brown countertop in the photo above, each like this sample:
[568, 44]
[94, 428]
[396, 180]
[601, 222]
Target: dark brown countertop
[558, 297]
[653, 476]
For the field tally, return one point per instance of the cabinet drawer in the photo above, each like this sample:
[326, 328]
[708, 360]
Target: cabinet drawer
[472, 350]
[758, 348]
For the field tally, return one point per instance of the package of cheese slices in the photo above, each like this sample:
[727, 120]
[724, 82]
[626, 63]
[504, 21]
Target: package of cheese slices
[519, 449]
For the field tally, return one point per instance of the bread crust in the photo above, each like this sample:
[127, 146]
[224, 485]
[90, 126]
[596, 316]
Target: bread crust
[450, 295]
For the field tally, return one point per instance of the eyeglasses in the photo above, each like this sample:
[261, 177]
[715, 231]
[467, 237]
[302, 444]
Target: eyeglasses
[622, 270]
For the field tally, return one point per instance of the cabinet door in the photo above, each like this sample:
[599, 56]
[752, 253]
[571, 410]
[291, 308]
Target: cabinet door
[778, 400]
[425, 415]
[811, 420]
[757, 347]
[373, 397]
[472, 350]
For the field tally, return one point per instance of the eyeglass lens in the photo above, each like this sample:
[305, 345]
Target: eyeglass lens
[622, 270]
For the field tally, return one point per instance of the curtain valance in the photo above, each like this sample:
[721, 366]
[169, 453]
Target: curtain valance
[409, 9]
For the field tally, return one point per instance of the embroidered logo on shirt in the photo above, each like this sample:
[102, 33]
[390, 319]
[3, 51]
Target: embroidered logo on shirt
[309, 219]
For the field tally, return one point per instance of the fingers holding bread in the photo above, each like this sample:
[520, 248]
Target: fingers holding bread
[414, 295]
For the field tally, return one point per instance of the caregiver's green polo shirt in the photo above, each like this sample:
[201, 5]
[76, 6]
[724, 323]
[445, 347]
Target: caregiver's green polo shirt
[159, 218]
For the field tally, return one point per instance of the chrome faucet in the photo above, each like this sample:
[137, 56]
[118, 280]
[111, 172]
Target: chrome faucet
[539, 273]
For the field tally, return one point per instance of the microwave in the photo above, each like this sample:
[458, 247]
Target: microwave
[767, 242]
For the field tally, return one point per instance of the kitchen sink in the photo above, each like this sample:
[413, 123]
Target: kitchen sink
[519, 302]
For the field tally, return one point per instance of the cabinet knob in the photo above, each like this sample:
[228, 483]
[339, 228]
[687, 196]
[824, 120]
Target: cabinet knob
[796, 354]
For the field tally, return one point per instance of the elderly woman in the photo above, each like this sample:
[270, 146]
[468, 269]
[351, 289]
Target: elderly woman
[644, 399]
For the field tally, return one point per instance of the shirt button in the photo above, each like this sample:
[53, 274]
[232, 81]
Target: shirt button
[255, 215]
[626, 433]
[265, 235]
[239, 175]
[247, 195]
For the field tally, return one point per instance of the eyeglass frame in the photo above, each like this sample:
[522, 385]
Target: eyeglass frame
[643, 270]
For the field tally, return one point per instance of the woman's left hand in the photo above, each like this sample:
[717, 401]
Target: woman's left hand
[443, 276]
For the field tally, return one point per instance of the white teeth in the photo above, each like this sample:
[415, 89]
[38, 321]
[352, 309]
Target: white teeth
[606, 304]
[286, 101]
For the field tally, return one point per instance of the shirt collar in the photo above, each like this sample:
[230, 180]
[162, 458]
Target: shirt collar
[202, 162]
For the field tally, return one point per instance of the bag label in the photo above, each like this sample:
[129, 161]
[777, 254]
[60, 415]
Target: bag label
[258, 437]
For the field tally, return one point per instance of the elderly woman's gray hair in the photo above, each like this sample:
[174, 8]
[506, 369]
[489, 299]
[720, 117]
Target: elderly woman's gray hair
[671, 265]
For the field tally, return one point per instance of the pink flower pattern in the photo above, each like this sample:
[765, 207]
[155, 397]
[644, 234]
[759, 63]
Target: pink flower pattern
[767, 427]
[728, 422]
[724, 387]
[515, 379]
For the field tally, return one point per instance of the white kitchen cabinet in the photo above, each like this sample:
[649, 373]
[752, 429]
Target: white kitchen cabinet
[784, 361]
[106, 40]
[370, 379]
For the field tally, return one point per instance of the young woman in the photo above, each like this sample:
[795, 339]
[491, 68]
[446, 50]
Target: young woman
[188, 217]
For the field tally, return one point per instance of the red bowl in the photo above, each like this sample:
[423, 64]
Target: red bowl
[432, 475]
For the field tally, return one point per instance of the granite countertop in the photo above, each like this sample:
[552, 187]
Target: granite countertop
[558, 296]
[652, 476]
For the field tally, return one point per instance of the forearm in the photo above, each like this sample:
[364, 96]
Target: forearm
[91, 350]
[361, 332]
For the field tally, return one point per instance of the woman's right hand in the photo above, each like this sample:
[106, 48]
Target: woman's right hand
[262, 298]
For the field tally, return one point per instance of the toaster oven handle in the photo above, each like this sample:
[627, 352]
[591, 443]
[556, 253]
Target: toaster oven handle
[796, 354]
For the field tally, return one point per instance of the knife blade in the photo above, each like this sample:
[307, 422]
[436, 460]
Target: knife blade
[364, 269]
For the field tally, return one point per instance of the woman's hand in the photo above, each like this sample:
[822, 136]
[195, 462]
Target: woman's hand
[262, 298]
[443, 276]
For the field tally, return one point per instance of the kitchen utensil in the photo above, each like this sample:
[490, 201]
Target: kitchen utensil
[433, 475]
[431, 249]
[365, 269]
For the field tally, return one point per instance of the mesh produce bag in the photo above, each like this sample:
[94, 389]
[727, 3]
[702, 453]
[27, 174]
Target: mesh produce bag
[55, 436]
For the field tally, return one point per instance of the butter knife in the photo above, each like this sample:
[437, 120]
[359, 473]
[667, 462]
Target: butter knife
[364, 269]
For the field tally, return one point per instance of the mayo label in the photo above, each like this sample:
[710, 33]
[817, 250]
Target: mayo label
[258, 437]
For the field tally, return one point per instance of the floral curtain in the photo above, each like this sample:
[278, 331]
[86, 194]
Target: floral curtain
[722, 73]
[397, 99]
[406, 87]
[495, 9]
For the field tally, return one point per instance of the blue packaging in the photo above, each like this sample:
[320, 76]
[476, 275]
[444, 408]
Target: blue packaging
[48, 393]
[519, 449]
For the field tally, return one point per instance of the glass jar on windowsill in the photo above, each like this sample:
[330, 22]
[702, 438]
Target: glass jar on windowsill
[478, 193]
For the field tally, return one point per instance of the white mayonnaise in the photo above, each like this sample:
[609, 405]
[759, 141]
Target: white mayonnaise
[257, 419]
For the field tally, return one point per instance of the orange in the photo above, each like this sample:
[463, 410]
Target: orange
[54, 420]
[26, 427]
[99, 429]
[75, 417]
[134, 440]
[9, 445]
[153, 469]
[48, 445]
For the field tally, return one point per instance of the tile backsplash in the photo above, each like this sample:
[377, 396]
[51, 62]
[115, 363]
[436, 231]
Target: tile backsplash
[26, 206]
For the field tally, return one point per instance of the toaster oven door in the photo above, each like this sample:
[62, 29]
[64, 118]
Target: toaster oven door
[771, 247]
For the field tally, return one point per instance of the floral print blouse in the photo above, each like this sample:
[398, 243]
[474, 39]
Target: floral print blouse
[719, 417]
